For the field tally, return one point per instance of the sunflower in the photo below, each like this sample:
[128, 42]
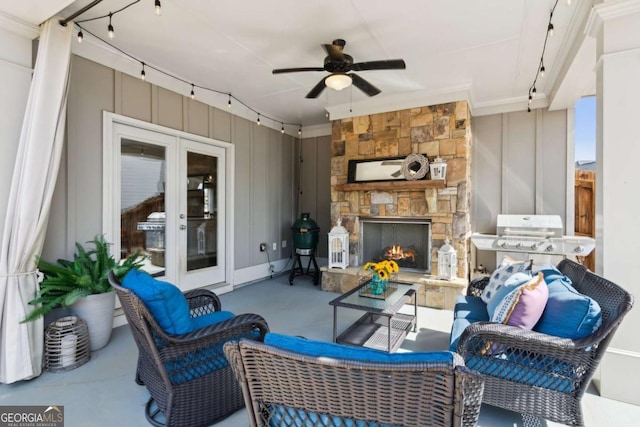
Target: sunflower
[382, 273]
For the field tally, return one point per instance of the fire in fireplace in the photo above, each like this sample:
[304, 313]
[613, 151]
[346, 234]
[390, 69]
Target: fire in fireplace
[405, 257]
[404, 240]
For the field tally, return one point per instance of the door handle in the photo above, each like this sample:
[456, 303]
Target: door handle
[183, 227]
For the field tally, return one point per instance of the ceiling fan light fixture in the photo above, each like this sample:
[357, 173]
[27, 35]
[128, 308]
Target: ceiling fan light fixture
[338, 81]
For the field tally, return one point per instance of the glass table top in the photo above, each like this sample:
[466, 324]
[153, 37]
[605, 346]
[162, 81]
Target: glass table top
[388, 305]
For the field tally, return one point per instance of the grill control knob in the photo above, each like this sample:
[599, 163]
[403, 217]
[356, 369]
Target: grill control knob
[551, 248]
[579, 249]
[535, 245]
[519, 245]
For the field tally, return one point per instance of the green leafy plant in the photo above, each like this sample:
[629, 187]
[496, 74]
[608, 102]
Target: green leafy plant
[65, 281]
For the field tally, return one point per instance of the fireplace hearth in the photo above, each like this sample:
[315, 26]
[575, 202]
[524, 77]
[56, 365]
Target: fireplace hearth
[404, 240]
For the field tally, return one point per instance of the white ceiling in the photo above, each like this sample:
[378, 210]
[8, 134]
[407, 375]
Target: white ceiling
[485, 51]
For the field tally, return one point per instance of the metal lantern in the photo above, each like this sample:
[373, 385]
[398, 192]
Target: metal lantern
[438, 169]
[338, 246]
[447, 261]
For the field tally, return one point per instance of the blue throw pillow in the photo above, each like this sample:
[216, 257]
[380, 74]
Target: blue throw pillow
[568, 313]
[165, 301]
[339, 351]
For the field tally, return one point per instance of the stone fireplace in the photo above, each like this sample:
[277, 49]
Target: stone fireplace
[441, 130]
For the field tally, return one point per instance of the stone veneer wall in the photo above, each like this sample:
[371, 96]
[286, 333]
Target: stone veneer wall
[438, 130]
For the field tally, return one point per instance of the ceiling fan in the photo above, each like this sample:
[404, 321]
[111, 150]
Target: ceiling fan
[341, 67]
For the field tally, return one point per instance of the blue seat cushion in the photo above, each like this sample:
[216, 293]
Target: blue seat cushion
[210, 318]
[470, 307]
[165, 301]
[328, 349]
[521, 368]
[568, 313]
[458, 327]
[283, 415]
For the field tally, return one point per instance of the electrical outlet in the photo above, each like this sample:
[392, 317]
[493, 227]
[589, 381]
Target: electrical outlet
[275, 246]
[263, 247]
[284, 244]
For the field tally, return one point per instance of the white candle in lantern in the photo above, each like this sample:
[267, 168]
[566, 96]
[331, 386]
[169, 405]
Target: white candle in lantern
[68, 350]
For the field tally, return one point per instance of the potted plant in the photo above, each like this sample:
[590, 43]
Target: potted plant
[82, 285]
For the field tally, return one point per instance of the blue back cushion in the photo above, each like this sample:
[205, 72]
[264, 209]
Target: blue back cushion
[568, 313]
[165, 301]
[328, 349]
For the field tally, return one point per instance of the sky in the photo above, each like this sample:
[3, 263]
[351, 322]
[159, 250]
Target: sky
[585, 129]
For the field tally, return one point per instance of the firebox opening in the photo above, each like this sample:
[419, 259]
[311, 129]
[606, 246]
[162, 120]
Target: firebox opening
[404, 240]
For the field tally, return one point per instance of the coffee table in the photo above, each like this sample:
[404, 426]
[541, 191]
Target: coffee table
[381, 327]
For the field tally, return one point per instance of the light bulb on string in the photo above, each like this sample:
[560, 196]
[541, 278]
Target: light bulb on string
[193, 92]
[530, 99]
[143, 75]
[568, 2]
[80, 36]
[528, 109]
[110, 28]
[533, 92]
[550, 29]
[282, 129]
[158, 7]
[229, 103]
[300, 130]
[258, 121]
[542, 70]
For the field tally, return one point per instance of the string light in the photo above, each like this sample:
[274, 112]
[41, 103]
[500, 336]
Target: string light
[541, 70]
[144, 65]
[282, 129]
[110, 27]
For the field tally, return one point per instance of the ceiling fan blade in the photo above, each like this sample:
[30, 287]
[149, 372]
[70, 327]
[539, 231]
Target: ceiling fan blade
[364, 85]
[334, 52]
[317, 89]
[295, 70]
[390, 64]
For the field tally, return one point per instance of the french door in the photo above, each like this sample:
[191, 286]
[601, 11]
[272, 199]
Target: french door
[166, 197]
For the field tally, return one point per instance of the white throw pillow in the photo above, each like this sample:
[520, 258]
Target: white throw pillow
[507, 267]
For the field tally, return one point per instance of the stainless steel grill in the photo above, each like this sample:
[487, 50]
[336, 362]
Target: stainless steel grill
[537, 237]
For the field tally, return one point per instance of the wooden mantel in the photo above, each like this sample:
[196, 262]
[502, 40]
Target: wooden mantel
[392, 185]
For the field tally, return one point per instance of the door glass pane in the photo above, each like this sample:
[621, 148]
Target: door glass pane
[142, 215]
[201, 211]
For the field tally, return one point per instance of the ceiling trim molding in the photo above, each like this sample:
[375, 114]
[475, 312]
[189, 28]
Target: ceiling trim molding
[18, 26]
[103, 54]
[607, 11]
[509, 105]
[316, 130]
[402, 101]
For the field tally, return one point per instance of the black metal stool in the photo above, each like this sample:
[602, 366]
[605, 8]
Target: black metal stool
[298, 270]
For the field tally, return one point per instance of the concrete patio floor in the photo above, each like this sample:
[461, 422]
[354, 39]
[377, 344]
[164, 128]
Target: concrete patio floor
[103, 393]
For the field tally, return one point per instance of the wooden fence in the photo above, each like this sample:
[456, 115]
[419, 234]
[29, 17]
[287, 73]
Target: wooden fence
[585, 210]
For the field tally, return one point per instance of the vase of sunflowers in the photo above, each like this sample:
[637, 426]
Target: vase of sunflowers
[381, 271]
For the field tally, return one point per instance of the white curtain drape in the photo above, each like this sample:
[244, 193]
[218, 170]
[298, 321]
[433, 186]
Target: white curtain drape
[34, 179]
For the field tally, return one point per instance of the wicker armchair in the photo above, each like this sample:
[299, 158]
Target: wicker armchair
[188, 376]
[538, 374]
[283, 387]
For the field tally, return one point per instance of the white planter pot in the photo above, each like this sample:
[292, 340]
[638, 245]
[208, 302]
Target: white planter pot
[97, 311]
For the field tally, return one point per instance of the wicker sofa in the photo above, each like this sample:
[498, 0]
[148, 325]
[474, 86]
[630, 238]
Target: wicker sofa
[186, 373]
[532, 372]
[292, 381]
